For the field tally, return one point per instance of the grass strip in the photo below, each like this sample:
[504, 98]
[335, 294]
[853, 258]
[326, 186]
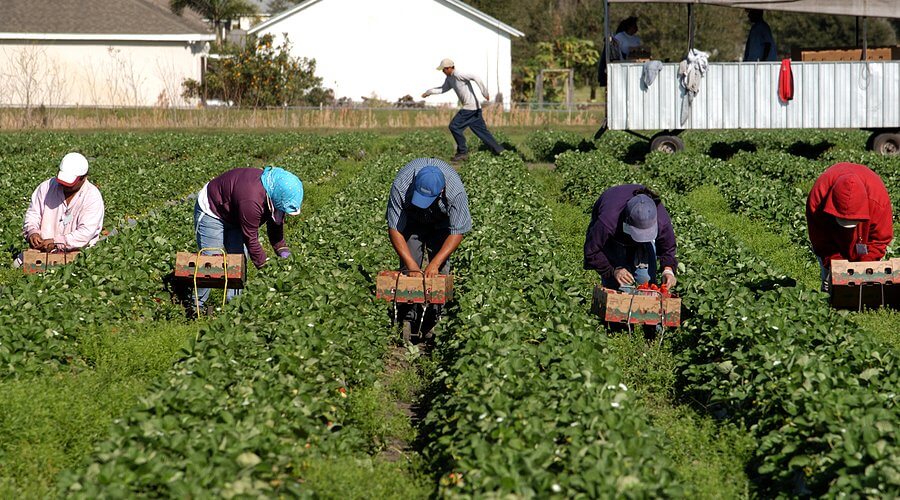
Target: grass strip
[49, 423]
[774, 248]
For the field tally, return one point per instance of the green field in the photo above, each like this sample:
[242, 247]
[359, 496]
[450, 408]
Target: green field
[300, 388]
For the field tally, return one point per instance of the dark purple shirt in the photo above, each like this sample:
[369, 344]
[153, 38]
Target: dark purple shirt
[238, 198]
[606, 229]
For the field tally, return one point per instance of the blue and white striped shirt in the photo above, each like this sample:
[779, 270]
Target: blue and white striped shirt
[454, 203]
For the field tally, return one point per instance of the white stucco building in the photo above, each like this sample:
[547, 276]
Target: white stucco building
[390, 48]
[97, 53]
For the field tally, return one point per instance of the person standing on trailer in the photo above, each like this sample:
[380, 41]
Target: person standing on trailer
[427, 211]
[66, 212]
[231, 208]
[470, 115]
[849, 217]
[760, 42]
[625, 40]
[630, 229]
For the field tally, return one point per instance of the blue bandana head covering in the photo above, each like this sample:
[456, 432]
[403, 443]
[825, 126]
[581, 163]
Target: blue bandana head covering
[284, 189]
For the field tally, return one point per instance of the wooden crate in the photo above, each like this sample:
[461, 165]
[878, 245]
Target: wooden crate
[395, 286]
[641, 307]
[36, 261]
[857, 285]
[210, 271]
[845, 54]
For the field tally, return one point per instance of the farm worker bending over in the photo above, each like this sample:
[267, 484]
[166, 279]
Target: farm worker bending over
[428, 209]
[66, 211]
[848, 213]
[629, 229]
[231, 208]
[470, 114]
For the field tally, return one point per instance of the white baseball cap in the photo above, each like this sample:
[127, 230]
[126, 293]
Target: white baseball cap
[446, 63]
[72, 166]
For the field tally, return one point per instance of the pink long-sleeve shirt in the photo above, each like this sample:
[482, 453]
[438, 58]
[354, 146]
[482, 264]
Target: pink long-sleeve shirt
[72, 226]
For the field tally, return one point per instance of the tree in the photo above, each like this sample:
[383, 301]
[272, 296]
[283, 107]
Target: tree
[566, 53]
[217, 11]
[276, 6]
[261, 74]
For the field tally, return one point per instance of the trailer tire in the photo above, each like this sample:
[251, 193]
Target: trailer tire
[667, 144]
[886, 143]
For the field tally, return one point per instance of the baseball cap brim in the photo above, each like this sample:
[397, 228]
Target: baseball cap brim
[422, 201]
[846, 223]
[640, 235]
[67, 179]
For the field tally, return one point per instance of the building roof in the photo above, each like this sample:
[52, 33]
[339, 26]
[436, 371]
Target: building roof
[99, 20]
[455, 4]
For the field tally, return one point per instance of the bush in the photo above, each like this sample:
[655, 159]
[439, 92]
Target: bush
[261, 74]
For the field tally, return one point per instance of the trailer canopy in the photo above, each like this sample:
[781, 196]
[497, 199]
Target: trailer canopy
[861, 8]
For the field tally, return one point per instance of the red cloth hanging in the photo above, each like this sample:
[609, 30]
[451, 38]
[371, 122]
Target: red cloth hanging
[785, 81]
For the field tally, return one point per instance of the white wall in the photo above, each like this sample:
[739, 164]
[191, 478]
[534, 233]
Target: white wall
[74, 73]
[390, 48]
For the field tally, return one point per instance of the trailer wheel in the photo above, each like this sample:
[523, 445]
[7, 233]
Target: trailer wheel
[886, 143]
[667, 144]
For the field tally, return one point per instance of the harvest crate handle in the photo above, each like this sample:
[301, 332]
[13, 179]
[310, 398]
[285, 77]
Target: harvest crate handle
[197, 269]
[396, 286]
[861, 285]
[425, 297]
[662, 312]
[662, 318]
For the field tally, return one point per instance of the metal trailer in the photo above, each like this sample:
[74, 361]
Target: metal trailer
[861, 94]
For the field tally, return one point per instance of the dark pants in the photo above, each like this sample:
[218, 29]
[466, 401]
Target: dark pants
[472, 119]
[639, 260]
[421, 239]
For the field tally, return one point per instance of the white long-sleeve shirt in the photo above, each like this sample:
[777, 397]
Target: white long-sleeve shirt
[626, 43]
[74, 225]
[461, 84]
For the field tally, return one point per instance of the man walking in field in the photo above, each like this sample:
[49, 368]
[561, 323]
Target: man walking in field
[470, 115]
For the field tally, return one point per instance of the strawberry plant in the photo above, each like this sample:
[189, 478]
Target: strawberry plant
[527, 403]
[818, 396]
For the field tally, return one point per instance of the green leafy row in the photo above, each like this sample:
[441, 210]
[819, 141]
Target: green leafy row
[528, 400]
[139, 172]
[261, 393]
[819, 397]
[119, 280]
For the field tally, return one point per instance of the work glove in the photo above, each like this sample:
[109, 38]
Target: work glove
[284, 252]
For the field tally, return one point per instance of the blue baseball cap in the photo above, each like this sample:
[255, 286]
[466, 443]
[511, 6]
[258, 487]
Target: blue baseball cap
[640, 219]
[428, 185]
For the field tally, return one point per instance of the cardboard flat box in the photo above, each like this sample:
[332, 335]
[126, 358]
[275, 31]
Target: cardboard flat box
[860, 285]
[642, 307]
[845, 54]
[210, 270]
[395, 286]
[36, 261]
